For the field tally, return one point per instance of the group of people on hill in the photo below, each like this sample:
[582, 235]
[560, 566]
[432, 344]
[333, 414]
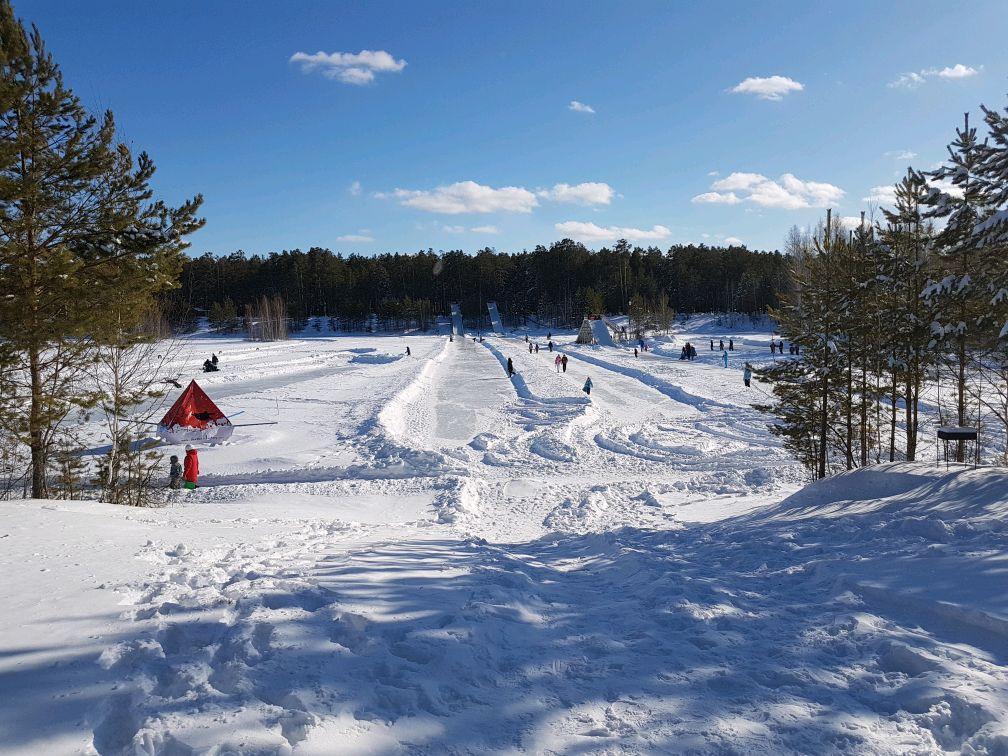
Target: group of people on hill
[210, 366]
[688, 352]
[721, 346]
[185, 474]
[560, 362]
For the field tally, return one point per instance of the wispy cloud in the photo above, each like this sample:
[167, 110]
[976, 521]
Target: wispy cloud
[788, 191]
[590, 232]
[914, 79]
[361, 237]
[733, 241]
[473, 230]
[465, 197]
[580, 107]
[355, 188]
[900, 154]
[587, 193]
[349, 68]
[767, 87]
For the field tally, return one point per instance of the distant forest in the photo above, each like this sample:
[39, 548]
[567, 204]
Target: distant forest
[557, 285]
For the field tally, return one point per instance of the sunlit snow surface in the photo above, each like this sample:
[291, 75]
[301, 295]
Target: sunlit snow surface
[422, 556]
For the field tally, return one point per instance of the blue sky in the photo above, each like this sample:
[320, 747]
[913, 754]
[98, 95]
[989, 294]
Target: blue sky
[457, 131]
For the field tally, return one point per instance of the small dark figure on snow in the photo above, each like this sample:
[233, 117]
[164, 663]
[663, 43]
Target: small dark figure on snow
[747, 374]
[174, 473]
[537, 348]
[408, 353]
[635, 351]
[684, 354]
[721, 345]
[213, 358]
[587, 387]
[549, 345]
[563, 363]
[773, 347]
[549, 334]
[526, 338]
[510, 368]
[712, 345]
[731, 345]
[209, 367]
[530, 349]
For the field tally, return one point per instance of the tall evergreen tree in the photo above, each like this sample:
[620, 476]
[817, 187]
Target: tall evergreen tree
[76, 222]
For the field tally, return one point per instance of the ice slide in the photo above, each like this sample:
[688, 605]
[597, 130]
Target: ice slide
[456, 312]
[495, 318]
[602, 333]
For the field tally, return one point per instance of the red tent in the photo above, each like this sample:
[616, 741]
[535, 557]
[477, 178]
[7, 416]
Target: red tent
[194, 417]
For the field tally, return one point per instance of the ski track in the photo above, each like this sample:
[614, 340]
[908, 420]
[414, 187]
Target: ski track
[536, 589]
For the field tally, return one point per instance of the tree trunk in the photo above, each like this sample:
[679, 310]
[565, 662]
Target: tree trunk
[36, 437]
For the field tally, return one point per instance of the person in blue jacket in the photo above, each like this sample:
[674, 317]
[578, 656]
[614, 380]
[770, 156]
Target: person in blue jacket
[587, 387]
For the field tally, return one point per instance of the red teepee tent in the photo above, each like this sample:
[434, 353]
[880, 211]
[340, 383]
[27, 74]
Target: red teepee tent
[194, 417]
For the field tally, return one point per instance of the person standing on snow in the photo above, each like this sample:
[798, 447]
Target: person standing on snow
[556, 362]
[510, 368]
[773, 346]
[530, 348]
[174, 473]
[537, 348]
[587, 387]
[747, 374]
[721, 344]
[712, 345]
[549, 345]
[563, 363]
[408, 352]
[731, 345]
[190, 470]
[635, 351]
[213, 358]
[724, 358]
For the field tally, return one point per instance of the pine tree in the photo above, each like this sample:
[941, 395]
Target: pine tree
[954, 292]
[76, 223]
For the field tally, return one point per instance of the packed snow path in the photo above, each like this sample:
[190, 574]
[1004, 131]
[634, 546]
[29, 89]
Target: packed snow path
[427, 557]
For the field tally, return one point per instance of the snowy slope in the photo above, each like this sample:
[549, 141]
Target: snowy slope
[424, 556]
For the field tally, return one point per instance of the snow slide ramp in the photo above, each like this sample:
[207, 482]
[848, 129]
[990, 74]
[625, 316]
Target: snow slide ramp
[601, 333]
[495, 318]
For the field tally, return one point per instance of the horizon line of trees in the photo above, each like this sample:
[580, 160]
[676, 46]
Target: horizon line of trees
[556, 285]
[885, 314]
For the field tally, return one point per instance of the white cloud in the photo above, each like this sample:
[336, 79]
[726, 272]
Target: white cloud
[914, 79]
[733, 241]
[587, 193]
[738, 180]
[958, 71]
[713, 173]
[881, 195]
[580, 107]
[788, 191]
[900, 154]
[355, 188]
[717, 198]
[853, 221]
[350, 68]
[465, 197]
[590, 232]
[361, 237]
[485, 230]
[767, 87]
[453, 229]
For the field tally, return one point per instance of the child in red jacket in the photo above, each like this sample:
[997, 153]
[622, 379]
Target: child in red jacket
[190, 471]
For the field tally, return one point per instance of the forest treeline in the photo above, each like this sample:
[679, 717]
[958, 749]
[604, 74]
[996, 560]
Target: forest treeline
[902, 319]
[558, 284]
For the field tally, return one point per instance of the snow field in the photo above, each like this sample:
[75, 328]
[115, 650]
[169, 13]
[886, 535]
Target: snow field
[425, 557]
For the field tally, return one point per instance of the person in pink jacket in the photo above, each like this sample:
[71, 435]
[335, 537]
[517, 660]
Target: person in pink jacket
[556, 362]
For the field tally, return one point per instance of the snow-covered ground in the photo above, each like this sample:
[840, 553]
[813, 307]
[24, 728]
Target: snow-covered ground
[423, 556]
